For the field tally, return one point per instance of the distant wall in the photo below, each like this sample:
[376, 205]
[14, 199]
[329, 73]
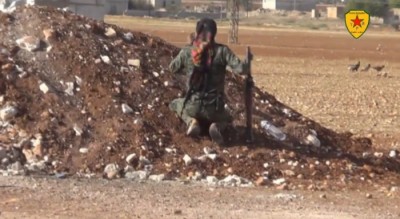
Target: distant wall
[141, 13]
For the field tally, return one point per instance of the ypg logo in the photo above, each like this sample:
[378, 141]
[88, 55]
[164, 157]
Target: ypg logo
[357, 22]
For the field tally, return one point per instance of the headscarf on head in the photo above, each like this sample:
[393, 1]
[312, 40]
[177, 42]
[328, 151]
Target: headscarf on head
[202, 52]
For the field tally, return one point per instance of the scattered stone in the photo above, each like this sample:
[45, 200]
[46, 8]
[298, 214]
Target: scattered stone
[83, 150]
[286, 197]
[278, 181]
[369, 196]
[187, 159]
[44, 88]
[212, 180]
[29, 43]
[110, 32]
[202, 158]
[61, 175]
[129, 159]
[137, 175]
[78, 130]
[261, 181]
[393, 154]
[313, 140]
[134, 62]
[105, 59]
[378, 154]
[16, 168]
[111, 171]
[289, 172]
[70, 88]
[8, 112]
[48, 33]
[283, 186]
[128, 36]
[322, 196]
[126, 109]
[157, 178]
[266, 165]
[212, 156]
[234, 180]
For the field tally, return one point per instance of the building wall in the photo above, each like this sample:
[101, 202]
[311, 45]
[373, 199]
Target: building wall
[116, 7]
[300, 5]
[269, 4]
[157, 4]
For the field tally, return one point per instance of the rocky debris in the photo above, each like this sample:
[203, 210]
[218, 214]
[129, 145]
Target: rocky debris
[157, 178]
[74, 93]
[29, 43]
[137, 175]
[111, 171]
[8, 112]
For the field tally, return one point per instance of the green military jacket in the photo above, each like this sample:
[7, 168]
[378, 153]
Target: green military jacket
[223, 57]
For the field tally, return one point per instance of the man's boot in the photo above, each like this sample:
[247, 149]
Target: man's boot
[215, 134]
[194, 128]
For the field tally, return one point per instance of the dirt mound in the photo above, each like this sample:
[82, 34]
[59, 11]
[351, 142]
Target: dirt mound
[78, 94]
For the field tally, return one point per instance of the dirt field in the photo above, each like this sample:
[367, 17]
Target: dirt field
[307, 70]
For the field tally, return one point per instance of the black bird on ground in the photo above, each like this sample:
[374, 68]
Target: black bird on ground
[354, 67]
[366, 68]
[378, 68]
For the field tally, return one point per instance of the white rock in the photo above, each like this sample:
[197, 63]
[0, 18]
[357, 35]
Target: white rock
[266, 165]
[197, 176]
[105, 59]
[134, 62]
[44, 88]
[392, 154]
[78, 130]
[278, 181]
[208, 150]
[157, 178]
[29, 43]
[166, 83]
[313, 140]
[126, 109]
[137, 175]
[83, 150]
[78, 80]
[212, 156]
[187, 159]
[8, 112]
[70, 88]
[378, 154]
[212, 180]
[1, 99]
[110, 32]
[130, 158]
[128, 36]
[111, 170]
[202, 158]
[233, 180]
[156, 74]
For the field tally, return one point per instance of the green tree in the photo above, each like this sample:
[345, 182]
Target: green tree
[377, 8]
[394, 3]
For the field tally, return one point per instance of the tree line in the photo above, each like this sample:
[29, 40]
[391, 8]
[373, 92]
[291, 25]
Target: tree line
[377, 8]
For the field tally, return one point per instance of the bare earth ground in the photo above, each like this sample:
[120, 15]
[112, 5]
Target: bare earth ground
[23, 197]
[305, 70]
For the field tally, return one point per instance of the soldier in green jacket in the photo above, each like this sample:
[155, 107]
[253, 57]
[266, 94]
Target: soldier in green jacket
[205, 100]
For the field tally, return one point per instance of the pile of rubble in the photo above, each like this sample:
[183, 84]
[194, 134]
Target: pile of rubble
[79, 96]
